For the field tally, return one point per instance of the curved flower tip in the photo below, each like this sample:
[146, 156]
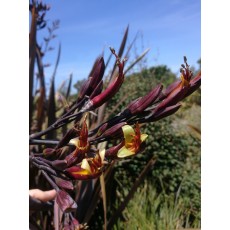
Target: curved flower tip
[133, 141]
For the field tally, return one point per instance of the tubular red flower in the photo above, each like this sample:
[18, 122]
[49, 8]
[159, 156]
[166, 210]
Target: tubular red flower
[111, 153]
[84, 89]
[142, 103]
[163, 113]
[97, 72]
[174, 97]
[94, 79]
[83, 137]
[110, 91]
[169, 89]
[114, 130]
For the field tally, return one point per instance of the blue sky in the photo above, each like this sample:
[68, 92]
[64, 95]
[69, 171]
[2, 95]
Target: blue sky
[170, 28]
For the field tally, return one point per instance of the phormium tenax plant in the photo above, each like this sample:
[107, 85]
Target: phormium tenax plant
[79, 153]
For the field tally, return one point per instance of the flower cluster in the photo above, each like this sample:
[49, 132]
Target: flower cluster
[77, 155]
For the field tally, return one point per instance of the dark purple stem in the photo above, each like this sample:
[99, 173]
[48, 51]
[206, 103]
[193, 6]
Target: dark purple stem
[52, 183]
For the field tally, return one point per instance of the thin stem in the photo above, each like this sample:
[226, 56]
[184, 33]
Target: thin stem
[45, 142]
[50, 180]
[41, 133]
[70, 116]
[42, 167]
[74, 107]
[57, 124]
[60, 122]
[38, 160]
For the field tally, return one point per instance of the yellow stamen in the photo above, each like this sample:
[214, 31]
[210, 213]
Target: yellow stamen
[184, 81]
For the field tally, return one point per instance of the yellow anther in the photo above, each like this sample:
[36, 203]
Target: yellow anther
[184, 81]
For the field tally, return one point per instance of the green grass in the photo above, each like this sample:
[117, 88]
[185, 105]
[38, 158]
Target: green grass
[150, 211]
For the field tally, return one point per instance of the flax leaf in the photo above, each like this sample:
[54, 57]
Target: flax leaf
[51, 103]
[137, 60]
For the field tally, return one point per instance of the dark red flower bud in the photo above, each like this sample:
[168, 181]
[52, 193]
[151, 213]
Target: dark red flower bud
[174, 97]
[164, 113]
[142, 103]
[65, 201]
[95, 78]
[109, 92]
[111, 153]
[84, 89]
[102, 129]
[114, 131]
[97, 72]
[83, 137]
[169, 89]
